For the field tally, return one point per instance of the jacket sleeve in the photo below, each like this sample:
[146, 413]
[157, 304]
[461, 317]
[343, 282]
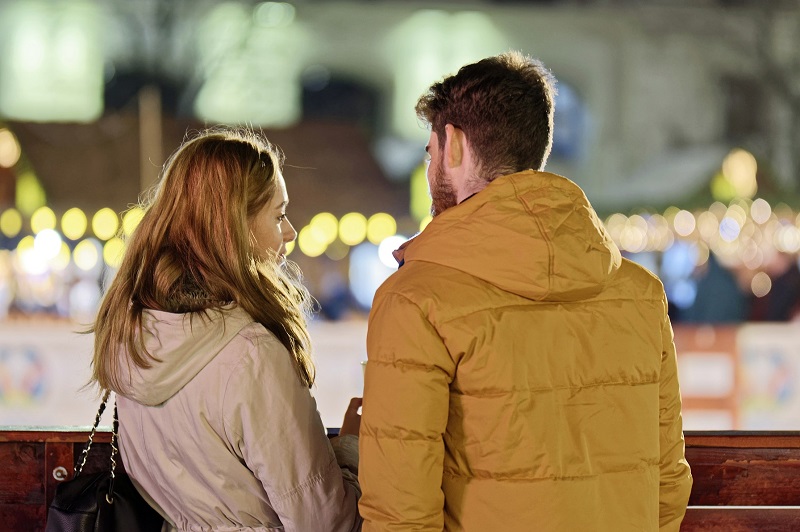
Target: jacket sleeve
[676, 477]
[406, 400]
[283, 442]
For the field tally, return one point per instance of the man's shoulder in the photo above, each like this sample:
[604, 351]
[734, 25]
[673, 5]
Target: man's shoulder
[420, 279]
[641, 282]
[423, 275]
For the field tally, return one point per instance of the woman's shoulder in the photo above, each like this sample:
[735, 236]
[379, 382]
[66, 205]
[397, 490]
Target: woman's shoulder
[254, 347]
[254, 369]
[248, 328]
[259, 337]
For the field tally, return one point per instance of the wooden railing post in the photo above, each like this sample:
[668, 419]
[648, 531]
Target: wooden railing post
[58, 467]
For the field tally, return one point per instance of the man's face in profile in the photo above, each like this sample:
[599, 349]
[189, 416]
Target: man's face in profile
[441, 187]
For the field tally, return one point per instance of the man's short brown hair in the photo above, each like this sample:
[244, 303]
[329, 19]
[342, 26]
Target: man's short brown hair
[503, 104]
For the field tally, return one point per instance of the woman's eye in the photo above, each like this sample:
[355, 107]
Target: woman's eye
[282, 217]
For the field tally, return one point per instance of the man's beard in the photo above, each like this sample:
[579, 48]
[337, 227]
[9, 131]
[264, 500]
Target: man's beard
[442, 194]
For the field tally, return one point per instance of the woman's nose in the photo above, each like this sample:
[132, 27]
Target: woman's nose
[289, 235]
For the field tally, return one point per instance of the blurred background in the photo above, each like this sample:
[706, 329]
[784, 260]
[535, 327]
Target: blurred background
[679, 118]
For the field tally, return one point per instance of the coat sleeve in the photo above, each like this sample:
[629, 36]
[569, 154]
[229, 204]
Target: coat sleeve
[406, 400]
[676, 477]
[284, 444]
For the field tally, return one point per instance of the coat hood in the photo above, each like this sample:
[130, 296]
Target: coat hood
[559, 249]
[183, 344]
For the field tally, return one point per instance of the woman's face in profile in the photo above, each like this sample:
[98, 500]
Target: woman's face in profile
[270, 226]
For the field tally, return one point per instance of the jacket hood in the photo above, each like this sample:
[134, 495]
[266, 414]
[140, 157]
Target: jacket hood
[533, 234]
[183, 345]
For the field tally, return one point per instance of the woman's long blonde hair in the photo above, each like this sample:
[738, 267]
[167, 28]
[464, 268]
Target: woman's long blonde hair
[192, 252]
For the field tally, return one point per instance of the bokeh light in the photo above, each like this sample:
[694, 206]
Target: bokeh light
[353, 228]
[86, 255]
[615, 224]
[659, 235]
[633, 237]
[74, 223]
[105, 223]
[327, 225]
[761, 284]
[10, 150]
[30, 261]
[787, 239]
[684, 223]
[10, 222]
[43, 218]
[761, 211]
[113, 251]
[670, 212]
[739, 167]
[707, 225]
[380, 226]
[47, 243]
[312, 241]
[131, 220]
[729, 229]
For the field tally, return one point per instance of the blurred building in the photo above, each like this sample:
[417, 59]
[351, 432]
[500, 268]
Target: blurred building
[679, 118]
[652, 98]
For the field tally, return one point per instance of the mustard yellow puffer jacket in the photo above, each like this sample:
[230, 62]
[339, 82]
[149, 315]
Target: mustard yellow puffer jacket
[521, 376]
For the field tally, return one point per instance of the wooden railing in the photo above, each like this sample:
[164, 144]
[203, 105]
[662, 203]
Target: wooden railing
[742, 480]
[35, 461]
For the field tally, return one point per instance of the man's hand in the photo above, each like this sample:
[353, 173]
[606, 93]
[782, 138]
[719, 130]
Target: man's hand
[352, 419]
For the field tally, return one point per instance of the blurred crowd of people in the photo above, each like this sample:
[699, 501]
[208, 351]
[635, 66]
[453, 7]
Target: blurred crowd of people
[739, 294]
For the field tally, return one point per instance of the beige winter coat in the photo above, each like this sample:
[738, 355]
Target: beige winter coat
[522, 376]
[221, 435]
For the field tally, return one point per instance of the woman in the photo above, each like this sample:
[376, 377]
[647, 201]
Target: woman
[202, 335]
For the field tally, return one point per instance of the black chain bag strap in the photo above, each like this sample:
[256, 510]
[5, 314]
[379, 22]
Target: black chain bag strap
[101, 502]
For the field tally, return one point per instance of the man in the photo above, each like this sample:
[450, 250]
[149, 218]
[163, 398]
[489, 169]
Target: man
[521, 374]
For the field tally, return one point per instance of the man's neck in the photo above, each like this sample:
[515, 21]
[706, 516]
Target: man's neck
[470, 188]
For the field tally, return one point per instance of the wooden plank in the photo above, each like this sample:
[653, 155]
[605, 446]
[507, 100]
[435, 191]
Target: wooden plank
[22, 479]
[744, 477]
[22, 517]
[737, 439]
[741, 519]
[70, 434]
[743, 439]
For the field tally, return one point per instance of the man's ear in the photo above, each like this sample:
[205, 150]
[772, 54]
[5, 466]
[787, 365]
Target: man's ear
[455, 143]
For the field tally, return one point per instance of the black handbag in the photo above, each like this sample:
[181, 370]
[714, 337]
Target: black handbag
[101, 502]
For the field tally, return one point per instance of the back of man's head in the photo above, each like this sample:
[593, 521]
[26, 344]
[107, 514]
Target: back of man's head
[504, 106]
